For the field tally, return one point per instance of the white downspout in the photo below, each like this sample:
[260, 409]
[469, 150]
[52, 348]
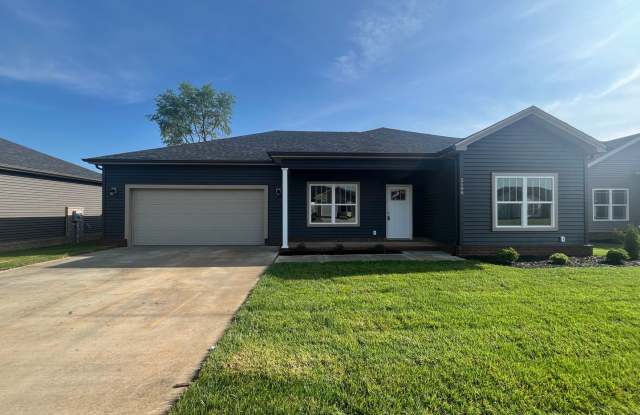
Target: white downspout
[285, 208]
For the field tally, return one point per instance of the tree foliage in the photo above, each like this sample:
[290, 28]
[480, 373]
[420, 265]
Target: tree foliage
[193, 114]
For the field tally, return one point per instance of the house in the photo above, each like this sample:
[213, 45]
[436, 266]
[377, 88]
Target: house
[614, 188]
[36, 192]
[520, 182]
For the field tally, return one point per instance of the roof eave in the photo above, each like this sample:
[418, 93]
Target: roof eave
[47, 173]
[352, 155]
[101, 162]
[614, 151]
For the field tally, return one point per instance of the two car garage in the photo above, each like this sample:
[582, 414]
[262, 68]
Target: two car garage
[196, 215]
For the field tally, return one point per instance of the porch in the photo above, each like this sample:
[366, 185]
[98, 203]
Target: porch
[351, 206]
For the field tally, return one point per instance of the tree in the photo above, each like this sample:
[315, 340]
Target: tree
[193, 114]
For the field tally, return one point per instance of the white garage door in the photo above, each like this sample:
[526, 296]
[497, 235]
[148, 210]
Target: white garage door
[197, 217]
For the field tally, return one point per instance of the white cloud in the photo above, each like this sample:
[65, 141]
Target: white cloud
[608, 112]
[537, 7]
[376, 34]
[34, 15]
[70, 75]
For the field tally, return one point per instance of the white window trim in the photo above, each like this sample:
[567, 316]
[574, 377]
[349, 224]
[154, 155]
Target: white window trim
[524, 203]
[609, 205]
[333, 204]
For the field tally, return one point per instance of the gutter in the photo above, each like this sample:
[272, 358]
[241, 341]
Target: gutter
[47, 173]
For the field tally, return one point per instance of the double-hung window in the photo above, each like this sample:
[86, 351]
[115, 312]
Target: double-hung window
[525, 201]
[333, 204]
[610, 205]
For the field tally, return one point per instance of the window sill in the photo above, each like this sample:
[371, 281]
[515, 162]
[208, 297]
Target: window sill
[523, 229]
[333, 225]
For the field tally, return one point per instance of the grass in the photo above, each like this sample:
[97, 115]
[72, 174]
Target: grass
[601, 249]
[22, 257]
[413, 337]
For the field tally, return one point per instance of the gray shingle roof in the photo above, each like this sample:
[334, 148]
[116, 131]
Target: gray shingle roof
[613, 144]
[19, 158]
[257, 147]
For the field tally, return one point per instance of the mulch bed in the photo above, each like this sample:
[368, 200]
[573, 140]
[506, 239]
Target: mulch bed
[590, 261]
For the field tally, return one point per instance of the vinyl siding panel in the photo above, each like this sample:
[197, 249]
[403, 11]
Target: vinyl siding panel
[433, 209]
[433, 202]
[527, 146]
[33, 207]
[618, 171]
[120, 175]
[439, 200]
[372, 202]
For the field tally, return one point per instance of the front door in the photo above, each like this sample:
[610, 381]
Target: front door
[399, 211]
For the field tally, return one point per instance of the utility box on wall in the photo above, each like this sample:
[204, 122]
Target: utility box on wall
[74, 224]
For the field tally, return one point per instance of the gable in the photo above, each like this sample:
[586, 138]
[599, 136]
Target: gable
[548, 123]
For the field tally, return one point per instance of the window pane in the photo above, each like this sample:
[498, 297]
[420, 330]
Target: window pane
[510, 214]
[619, 197]
[398, 195]
[540, 189]
[620, 212]
[345, 214]
[602, 212]
[539, 214]
[509, 189]
[601, 197]
[321, 194]
[346, 193]
[321, 214]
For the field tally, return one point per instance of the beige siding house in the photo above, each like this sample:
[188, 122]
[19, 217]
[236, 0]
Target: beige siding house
[37, 192]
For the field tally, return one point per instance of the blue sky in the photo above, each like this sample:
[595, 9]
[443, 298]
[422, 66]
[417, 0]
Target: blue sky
[77, 78]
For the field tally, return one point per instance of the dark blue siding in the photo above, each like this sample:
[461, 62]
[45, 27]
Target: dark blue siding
[119, 175]
[434, 213]
[527, 146]
[618, 171]
[440, 202]
[433, 202]
[372, 202]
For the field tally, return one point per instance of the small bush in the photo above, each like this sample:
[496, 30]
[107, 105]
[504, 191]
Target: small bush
[508, 255]
[339, 247]
[301, 246]
[618, 236]
[559, 259]
[617, 256]
[632, 242]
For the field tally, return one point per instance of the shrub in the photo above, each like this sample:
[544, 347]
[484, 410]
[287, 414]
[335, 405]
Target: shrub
[339, 247]
[632, 242]
[559, 259]
[301, 246]
[617, 256]
[508, 255]
[618, 236]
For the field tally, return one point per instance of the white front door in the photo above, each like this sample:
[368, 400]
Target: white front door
[399, 211]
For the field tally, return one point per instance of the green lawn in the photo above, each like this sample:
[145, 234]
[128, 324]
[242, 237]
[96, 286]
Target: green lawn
[601, 249]
[13, 259]
[413, 337]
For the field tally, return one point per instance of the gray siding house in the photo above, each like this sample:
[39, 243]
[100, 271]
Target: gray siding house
[614, 188]
[520, 182]
[35, 192]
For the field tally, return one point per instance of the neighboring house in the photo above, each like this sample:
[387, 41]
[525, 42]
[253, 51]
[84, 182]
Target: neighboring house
[520, 182]
[614, 188]
[35, 192]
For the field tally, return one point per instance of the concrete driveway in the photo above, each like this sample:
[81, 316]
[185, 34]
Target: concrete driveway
[114, 331]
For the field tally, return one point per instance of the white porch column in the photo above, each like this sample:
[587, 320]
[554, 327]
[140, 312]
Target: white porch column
[285, 208]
